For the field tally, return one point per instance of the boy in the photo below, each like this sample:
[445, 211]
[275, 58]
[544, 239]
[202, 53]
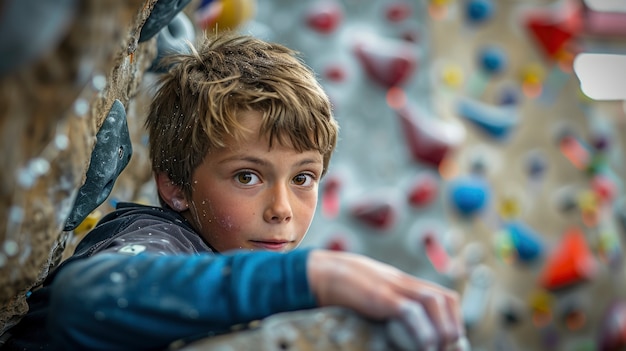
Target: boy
[240, 135]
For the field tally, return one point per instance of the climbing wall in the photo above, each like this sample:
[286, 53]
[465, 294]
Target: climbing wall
[70, 87]
[468, 155]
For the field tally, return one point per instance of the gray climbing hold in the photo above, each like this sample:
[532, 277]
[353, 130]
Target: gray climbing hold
[162, 14]
[29, 28]
[173, 39]
[109, 157]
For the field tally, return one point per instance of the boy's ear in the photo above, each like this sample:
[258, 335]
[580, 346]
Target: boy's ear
[171, 193]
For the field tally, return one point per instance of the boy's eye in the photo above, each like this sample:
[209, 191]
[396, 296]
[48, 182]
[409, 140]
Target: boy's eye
[247, 178]
[303, 179]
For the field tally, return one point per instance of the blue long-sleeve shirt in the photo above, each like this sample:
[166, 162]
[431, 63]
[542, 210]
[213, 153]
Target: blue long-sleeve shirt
[143, 279]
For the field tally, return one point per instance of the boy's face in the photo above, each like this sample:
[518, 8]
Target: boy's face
[248, 196]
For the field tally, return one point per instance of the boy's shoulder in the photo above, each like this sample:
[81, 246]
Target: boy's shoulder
[141, 224]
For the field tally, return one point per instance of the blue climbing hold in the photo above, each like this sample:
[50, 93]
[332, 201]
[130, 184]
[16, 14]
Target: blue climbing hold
[492, 59]
[525, 240]
[509, 96]
[469, 195]
[479, 11]
[536, 164]
[496, 121]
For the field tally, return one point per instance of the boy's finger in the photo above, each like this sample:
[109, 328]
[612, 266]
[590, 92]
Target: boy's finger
[418, 325]
[436, 306]
[443, 307]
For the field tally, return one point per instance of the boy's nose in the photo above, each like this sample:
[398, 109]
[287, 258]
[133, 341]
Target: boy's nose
[278, 206]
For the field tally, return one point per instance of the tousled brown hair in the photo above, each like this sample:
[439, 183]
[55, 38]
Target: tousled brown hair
[201, 94]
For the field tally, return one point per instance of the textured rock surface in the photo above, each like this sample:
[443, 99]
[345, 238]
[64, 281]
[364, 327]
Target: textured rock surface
[328, 329]
[50, 112]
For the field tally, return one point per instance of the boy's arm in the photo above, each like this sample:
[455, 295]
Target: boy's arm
[116, 301]
[146, 301]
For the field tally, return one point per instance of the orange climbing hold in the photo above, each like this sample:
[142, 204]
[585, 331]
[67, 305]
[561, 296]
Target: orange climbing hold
[570, 263]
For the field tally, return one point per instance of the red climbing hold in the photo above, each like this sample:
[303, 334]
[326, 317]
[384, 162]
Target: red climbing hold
[423, 191]
[554, 28]
[387, 62]
[399, 11]
[335, 73]
[378, 214]
[330, 197]
[337, 244]
[324, 17]
[436, 252]
[429, 140]
[570, 263]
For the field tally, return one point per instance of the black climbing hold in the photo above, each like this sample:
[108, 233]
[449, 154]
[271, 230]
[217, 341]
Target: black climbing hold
[109, 157]
[162, 14]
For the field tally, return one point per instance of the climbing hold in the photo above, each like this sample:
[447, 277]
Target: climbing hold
[88, 223]
[612, 332]
[452, 76]
[541, 304]
[571, 262]
[109, 157]
[330, 197]
[603, 22]
[335, 73]
[387, 62]
[589, 206]
[469, 195]
[575, 151]
[396, 98]
[479, 11]
[525, 240]
[496, 121]
[503, 245]
[378, 213]
[172, 39]
[554, 28]
[207, 12]
[476, 295]
[492, 60]
[424, 190]
[536, 164]
[574, 317]
[509, 207]
[511, 313]
[604, 188]
[324, 16]
[435, 252]
[398, 11]
[162, 14]
[532, 77]
[30, 28]
[508, 96]
[336, 244]
[429, 140]
[229, 15]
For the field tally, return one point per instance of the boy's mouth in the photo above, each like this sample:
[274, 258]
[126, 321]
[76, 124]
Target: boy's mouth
[273, 245]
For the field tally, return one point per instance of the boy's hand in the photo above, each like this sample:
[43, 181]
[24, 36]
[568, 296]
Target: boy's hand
[430, 313]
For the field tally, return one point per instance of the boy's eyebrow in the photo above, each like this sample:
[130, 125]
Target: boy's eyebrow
[262, 162]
